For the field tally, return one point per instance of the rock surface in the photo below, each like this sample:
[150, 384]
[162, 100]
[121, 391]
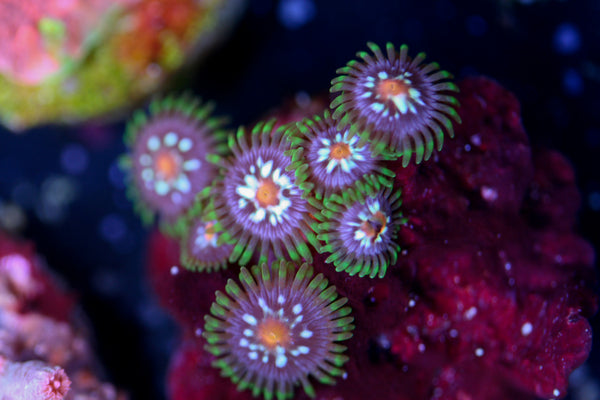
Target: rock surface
[489, 299]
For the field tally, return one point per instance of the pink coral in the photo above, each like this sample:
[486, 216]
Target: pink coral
[32, 380]
[30, 57]
[39, 330]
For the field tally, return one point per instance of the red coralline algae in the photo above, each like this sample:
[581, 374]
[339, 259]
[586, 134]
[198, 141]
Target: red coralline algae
[489, 296]
[25, 286]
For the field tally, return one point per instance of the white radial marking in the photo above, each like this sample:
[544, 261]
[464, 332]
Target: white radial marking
[374, 206]
[306, 334]
[401, 103]
[146, 160]
[323, 152]
[185, 145]
[248, 332]
[153, 143]
[280, 358]
[183, 184]
[245, 192]
[170, 139]
[377, 107]
[192, 165]
[265, 170]
[263, 305]
[147, 174]
[249, 319]
[161, 188]
[297, 309]
[258, 215]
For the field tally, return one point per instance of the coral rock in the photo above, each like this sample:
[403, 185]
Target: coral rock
[489, 298]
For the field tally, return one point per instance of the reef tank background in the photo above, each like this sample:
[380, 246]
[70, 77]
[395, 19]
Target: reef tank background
[67, 184]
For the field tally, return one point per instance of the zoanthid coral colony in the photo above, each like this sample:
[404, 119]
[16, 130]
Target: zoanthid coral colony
[199, 242]
[279, 329]
[257, 201]
[327, 160]
[275, 193]
[401, 103]
[359, 230]
[167, 159]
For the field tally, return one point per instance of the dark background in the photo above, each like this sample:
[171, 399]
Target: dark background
[67, 180]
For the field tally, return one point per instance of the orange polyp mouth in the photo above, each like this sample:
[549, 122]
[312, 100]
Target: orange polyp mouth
[209, 231]
[374, 226]
[267, 193]
[167, 165]
[387, 88]
[273, 333]
[340, 151]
